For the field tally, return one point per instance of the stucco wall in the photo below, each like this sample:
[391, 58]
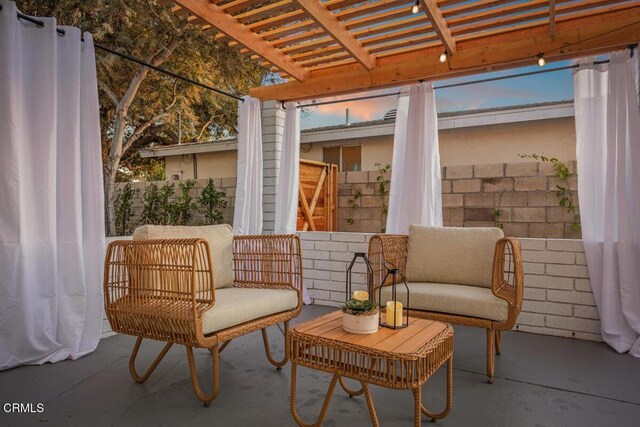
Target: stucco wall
[477, 145]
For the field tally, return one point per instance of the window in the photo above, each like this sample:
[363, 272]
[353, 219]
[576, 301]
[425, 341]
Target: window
[348, 159]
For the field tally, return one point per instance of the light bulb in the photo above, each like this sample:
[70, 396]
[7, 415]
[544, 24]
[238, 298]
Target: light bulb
[443, 57]
[415, 8]
[541, 60]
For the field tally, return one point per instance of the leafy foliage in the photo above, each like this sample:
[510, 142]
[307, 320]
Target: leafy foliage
[359, 308]
[181, 209]
[564, 194]
[155, 204]
[124, 209]
[209, 201]
[383, 186]
[354, 203]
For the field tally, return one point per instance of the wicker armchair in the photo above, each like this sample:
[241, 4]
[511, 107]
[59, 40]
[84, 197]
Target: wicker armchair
[506, 285]
[164, 290]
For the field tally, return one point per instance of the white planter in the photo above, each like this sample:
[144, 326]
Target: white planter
[363, 324]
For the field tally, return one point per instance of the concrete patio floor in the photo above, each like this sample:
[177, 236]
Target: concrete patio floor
[540, 381]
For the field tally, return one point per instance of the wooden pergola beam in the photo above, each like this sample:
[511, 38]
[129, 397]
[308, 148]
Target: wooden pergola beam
[575, 37]
[430, 7]
[327, 20]
[552, 17]
[217, 17]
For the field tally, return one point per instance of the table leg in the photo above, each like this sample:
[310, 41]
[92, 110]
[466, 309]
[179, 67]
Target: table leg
[350, 392]
[372, 409]
[325, 405]
[417, 394]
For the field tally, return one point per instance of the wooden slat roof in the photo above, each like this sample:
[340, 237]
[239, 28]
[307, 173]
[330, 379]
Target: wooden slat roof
[325, 47]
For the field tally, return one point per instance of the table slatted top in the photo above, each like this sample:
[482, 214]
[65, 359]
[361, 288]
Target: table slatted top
[408, 340]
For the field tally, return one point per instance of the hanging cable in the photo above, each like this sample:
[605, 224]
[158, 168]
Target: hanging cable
[61, 32]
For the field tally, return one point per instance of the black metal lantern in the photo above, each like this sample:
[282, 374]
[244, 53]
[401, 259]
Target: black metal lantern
[392, 319]
[348, 294]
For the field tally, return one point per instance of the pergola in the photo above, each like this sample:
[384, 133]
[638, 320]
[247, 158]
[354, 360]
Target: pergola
[332, 47]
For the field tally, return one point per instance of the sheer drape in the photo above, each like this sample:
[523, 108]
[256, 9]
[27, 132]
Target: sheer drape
[416, 191]
[608, 153]
[247, 213]
[51, 199]
[287, 193]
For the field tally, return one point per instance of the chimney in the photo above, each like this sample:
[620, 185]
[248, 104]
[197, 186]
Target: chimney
[347, 122]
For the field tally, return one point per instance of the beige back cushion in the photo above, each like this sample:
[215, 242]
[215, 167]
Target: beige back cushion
[220, 241]
[460, 255]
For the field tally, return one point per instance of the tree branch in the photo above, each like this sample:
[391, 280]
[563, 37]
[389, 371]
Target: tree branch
[112, 96]
[206, 125]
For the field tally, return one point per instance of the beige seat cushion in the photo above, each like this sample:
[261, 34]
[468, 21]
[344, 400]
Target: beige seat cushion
[460, 255]
[234, 306]
[463, 300]
[220, 241]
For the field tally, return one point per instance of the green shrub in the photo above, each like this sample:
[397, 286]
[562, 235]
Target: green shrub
[209, 201]
[123, 206]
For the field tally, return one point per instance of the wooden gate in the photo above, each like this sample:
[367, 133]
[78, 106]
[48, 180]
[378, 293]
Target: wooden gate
[318, 196]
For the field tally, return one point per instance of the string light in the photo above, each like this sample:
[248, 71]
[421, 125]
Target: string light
[416, 7]
[541, 60]
[443, 57]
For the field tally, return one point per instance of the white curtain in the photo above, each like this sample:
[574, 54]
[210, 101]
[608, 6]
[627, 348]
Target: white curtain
[51, 200]
[247, 213]
[415, 196]
[608, 153]
[287, 193]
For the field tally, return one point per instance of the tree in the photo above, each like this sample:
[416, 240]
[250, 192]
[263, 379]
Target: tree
[139, 106]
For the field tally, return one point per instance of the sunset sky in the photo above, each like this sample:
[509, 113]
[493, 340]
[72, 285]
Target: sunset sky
[547, 87]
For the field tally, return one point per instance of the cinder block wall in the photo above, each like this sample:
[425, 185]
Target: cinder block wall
[557, 294]
[523, 193]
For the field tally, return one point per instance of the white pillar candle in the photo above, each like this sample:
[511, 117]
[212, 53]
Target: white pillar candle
[394, 311]
[361, 295]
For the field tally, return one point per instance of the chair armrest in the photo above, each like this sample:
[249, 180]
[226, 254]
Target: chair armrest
[268, 261]
[387, 248]
[508, 279]
[167, 280]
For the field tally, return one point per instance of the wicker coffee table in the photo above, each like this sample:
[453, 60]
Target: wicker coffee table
[398, 359]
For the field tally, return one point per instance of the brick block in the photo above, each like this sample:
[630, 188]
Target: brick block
[350, 237]
[345, 190]
[571, 233]
[467, 185]
[307, 245]
[371, 202]
[314, 235]
[586, 312]
[521, 169]
[532, 268]
[533, 294]
[547, 257]
[571, 297]
[357, 177]
[573, 324]
[515, 230]
[331, 246]
[342, 177]
[358, 247]
[497, 185]
[479, 214]
[320, 255]
[488, 171]
[547, 307]
[565, 245]
[530, 183]
[546, 169]
[328, 285]
[446, 186]
[341, 256]
[529, 215]
[456, 172]
[583, 285]
[571, 183]
[542, 198]
[559, 214]
[452, 200]
[318, 294]
[456, 215]
[512, 199]
[318, 274]
[479, 200]
[479, 224]
[307, 264]
[531, 319]
[576, 271]
[533, 244]
[546, 230]
[548, 282]
[365, 189]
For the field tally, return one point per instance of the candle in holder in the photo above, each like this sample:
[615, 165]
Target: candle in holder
[361, 295]
[394, 311]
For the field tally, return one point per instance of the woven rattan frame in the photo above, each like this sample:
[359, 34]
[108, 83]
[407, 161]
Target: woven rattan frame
[161, 289]
[367, 365]
[507, 284]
